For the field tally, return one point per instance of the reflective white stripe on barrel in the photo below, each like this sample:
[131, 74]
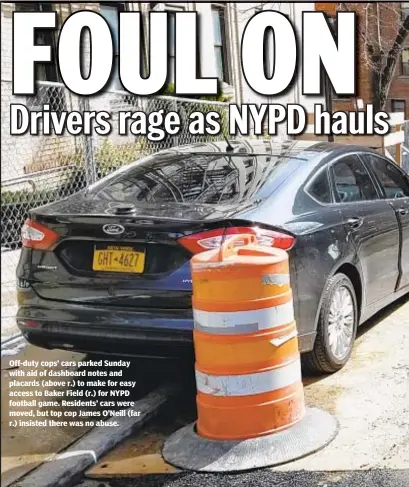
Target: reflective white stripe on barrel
[236, 322]
[249, 384]
[276, 279]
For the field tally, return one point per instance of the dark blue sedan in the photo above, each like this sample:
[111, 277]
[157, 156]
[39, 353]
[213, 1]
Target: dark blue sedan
[107, 270]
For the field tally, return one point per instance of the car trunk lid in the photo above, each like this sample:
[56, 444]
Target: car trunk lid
[116, 259]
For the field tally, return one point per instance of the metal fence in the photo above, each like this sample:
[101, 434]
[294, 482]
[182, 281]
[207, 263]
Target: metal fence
[39, 169]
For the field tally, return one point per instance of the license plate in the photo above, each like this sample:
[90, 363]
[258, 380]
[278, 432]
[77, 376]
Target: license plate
[118, 259]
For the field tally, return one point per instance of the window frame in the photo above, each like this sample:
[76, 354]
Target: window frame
[224, 41]
[375, 176]
[400, 100]
[404, 10]
[404, 66]
[371, 176]
[119, 7]
[39, 7]
[55, 91]
[173, 9]
[267, 58]
[172, 48]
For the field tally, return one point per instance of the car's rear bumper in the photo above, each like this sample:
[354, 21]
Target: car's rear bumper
[111, 330]
[151, 333]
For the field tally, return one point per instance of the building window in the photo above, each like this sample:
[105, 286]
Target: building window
[47, 93]
[171, 50]
[268, 46]
[171, 11]
[398, 106]
[405, 62]
[44, 71]
[110, 12]
[405, 9]
[220, 45]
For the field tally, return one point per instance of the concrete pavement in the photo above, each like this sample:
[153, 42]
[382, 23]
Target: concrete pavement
[9, 261]
[370, 398]
[25, 448]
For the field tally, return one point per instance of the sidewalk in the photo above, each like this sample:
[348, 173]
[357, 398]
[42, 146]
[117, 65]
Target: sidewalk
[9, 261]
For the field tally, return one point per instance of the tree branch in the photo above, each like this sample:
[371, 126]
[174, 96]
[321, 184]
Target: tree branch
[392, 59]
[363, 32]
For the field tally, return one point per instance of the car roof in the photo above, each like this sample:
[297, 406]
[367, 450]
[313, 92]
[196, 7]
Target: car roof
[245, 146]
[306, 156]
[298, 149]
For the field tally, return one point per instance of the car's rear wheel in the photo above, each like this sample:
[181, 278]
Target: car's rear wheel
[337, 326]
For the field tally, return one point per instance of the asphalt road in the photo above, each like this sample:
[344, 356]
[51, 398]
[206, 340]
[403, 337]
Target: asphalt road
[265, 478]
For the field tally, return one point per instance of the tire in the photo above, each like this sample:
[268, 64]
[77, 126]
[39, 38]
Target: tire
[322, 359]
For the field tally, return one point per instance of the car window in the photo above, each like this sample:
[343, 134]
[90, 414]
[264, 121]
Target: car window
[393, 182]
[319, 188]
[200, 178]
[352, 181]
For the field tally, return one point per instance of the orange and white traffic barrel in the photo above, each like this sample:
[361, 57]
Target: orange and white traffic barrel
[246, 346]
[248, 373]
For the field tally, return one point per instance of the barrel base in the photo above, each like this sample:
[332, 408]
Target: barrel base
[187, 450]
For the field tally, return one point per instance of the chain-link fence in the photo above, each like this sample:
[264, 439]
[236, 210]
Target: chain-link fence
[39, 169]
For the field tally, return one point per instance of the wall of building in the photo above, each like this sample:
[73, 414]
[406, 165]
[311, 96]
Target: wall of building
[388, 29]
[36, 152]
[6, 40]
[243, 11]
[399, 89]
[27, 153]
[364, 72]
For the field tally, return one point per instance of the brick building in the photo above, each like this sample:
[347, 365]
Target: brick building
[385, 18]
[398, 99]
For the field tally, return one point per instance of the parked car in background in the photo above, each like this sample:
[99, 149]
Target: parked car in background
[107, 270]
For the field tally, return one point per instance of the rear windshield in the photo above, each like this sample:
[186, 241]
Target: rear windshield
[198, 178]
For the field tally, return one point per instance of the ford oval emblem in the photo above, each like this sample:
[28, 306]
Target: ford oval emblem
[113, 229]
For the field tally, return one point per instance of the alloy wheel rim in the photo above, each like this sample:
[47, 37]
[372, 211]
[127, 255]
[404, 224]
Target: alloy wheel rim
[341, 322]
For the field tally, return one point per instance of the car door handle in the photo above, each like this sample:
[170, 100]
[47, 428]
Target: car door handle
[355, 222]
[403, 211]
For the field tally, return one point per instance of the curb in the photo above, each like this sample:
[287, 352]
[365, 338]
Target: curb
[10, 339]
[66, 468]
[13, 345]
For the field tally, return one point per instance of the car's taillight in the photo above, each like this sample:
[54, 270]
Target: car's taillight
[37, 236]
[212, 239]
[29, 323]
